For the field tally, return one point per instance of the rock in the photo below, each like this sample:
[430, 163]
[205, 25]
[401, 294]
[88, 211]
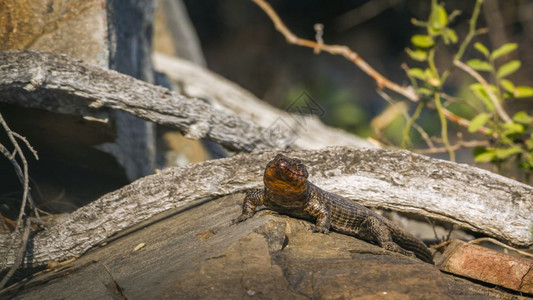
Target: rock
[196, 253]
[72, 27]
[480, 263]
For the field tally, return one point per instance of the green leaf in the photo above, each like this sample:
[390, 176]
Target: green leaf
[417, 73]
[529, 145]
[481, 48]
[422, 41]
[504, 49]
[478, 121]
[486, 156]
[438, 18]
[507, 85]
[523, 118]
[450, 35]
[418, 55]
[513, 128]
[508, 68]
[479, 90]
[523, 92]
[432, 77]
[479, 65]
[527, 163]
[505, 153]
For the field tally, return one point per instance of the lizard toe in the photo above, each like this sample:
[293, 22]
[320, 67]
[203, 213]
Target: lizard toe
[323, 230]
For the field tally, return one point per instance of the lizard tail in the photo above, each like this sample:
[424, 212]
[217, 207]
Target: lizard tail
[411, 243]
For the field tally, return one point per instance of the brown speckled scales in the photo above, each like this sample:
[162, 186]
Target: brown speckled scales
[342, 215]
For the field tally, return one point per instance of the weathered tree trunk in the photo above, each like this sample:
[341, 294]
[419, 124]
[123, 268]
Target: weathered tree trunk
[469, 197]
[62, 84]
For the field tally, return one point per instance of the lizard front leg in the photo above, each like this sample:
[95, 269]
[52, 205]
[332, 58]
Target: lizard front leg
[322, 212]
[253, 199]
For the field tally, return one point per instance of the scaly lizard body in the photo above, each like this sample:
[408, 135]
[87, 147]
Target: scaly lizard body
[288, 191]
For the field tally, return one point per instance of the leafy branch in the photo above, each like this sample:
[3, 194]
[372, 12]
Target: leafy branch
[319, 46]
[507, 136]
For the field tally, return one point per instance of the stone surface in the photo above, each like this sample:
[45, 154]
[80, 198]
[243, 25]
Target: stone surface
[196, 253]
[114, 34]
[77, 28]
[487, 265]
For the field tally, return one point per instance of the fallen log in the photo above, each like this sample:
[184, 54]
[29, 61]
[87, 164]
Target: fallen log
[400, 180]
[62, 84]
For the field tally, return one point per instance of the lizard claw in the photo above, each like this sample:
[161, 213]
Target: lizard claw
[323, 230]
[240, 219]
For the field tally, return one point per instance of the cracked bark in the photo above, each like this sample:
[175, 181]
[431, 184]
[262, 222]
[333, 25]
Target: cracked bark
[116, 287]
[65, 85]
[469, 197]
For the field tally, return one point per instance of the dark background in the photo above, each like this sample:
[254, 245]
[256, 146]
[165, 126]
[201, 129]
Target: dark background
[240, 43]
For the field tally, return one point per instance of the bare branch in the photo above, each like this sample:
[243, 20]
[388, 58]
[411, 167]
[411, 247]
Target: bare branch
[382, 82]
[459, 145]
[25, 176]
[22, 138]
[62, 84]
[349, 54]
[496, 242]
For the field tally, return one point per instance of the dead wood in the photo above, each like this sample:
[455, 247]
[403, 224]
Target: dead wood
[305, 132]
[469, 197]
[61, 84]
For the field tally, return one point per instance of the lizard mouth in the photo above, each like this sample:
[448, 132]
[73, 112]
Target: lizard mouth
[289, 171]
[286, 176]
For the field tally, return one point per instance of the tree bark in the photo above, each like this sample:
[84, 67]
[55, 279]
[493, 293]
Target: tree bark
[61, 84]
[469, 197]
[307, 131]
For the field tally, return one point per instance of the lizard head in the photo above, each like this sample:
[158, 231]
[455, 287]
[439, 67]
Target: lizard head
[286, 175]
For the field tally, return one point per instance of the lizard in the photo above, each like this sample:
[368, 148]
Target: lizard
[288, 191]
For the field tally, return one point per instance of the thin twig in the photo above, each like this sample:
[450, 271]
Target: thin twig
[463, 122]
[440, 245]
[443, 126]
[420, 130]
[497, 106]
[449, 233]
[23, 138]
[319, 29]
[491, 240]
[19, 258]
[26, 196]
[433, 227]
[345, 51]
[459, 145]
[25, 169]
[18, 171]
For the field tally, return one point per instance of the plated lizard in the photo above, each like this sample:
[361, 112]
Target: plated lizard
[288, 191]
